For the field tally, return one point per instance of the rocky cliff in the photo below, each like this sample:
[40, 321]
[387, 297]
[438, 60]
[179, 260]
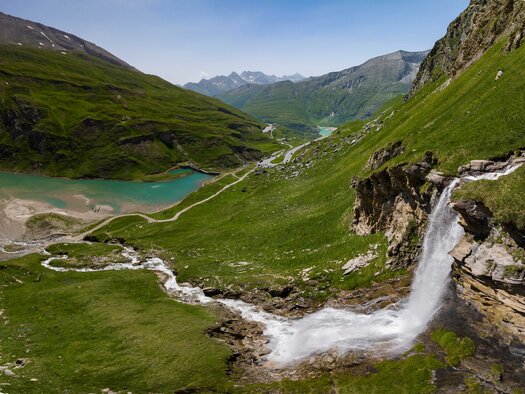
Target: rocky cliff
[396, 201]
[489, 268]
[482, 24]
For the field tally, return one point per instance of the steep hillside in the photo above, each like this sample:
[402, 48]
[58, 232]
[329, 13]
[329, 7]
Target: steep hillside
[331, 99]
[70, 113]
[22, 32]
[222, 83]
[470, 35]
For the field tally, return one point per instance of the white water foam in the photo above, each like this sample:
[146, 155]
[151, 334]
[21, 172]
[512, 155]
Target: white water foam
[392, 329]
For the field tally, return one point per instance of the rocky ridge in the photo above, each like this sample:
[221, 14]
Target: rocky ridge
[470, 35]
[25, 33]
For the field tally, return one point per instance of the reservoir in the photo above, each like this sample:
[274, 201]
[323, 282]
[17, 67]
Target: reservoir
[120, 196]
[326, 131]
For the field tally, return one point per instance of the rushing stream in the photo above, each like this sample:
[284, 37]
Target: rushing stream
[392, 329]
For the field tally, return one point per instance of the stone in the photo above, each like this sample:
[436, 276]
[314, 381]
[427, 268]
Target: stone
[475, 217]
[461, 250]
[8, 372]
[437, 179]
[211, 291]
[380, 157]
[358, 262]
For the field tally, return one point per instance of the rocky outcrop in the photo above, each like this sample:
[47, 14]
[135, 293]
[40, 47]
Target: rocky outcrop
[490, 275]
[394, 201]
[489, 263]
[381, 156]
[482, 24]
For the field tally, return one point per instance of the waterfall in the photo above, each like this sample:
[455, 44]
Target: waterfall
[392, 329]
[389, 329]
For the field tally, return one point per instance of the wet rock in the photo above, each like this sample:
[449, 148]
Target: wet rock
[474, 217]
[478, 167]
[461, 250]
[281, 292]
[211, 291]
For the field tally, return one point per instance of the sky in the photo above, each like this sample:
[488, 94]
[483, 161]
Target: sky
[185, 40]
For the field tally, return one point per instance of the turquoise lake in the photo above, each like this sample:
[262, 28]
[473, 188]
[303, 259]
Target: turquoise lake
[326, 131]
[84, 193]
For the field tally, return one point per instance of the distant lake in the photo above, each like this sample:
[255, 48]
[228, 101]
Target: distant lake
[326, 131]
[82, 194]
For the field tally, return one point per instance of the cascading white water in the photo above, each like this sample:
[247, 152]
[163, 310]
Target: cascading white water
[387, 329]
[391, 329]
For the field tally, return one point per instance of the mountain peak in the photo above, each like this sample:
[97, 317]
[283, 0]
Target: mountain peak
[26, 33]
[222, 84]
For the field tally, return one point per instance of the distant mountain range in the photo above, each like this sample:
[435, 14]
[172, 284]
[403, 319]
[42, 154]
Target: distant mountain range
[331, 99]
[223, 84]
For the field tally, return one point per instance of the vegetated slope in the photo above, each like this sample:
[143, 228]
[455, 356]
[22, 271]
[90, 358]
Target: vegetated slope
[331, 99]
[222, 83]
[297, 216]
[75, 115]
[22, 32]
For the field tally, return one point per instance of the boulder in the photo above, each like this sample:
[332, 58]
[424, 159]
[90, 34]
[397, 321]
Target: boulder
[380, 157]
[358, 262]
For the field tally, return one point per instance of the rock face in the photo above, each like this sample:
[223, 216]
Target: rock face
[489, 264]
[381, 156]
[482, 24]
[490, 275]
[391, 201]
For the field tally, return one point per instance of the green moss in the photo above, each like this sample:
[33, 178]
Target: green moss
[456, 348]
[408, 375]
[497, 371]
[513, 270]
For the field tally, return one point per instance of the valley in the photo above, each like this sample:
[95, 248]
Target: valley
[294, 248]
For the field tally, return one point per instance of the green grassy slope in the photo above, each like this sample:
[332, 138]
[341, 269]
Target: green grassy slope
[283, 223]
[74, 115]
[86, 332]
[503, 197]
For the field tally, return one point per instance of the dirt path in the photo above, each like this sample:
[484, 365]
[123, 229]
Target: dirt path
[152, 220]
